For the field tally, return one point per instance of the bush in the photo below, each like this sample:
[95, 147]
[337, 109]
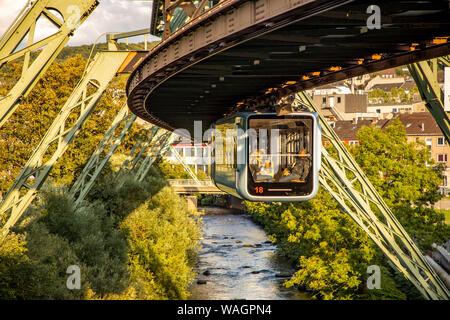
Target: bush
[131, 241]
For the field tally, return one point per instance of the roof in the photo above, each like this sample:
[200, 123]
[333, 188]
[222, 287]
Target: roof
[387, 86]
[408, 85]
[348, 129]
[419, 123]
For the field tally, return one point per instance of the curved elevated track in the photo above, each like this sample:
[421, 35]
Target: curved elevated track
[245, 54]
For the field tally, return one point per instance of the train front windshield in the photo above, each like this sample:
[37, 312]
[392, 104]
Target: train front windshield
[280, 155]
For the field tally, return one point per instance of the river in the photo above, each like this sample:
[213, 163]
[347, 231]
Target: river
[238, 261]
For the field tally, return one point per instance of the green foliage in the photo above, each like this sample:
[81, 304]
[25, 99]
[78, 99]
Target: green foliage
[161, 247]
[398, 169]
[22, 133]
[395, 95]
[330, 251]
[405, 177]
[131, 241]
[176, 171]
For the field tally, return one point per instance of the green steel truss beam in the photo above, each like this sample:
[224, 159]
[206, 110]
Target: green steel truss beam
[342, 177]
[137, 152]
[73, 13]
[101, 155]
[61, 133]
[160, 146]
[425, 76]
[180, 159]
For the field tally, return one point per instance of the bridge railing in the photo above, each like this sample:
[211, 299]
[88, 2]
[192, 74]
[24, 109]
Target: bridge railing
[190, 182]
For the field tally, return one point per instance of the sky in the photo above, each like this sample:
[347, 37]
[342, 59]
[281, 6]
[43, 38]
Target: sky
[109, 16]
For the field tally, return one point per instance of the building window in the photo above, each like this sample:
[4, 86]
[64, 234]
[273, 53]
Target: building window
[338, 99]
[324, 100]
[441, 141]
[442, 157]
[444, 181]
[353, 143]
[395, 110]
[429, 142]
[378, 111]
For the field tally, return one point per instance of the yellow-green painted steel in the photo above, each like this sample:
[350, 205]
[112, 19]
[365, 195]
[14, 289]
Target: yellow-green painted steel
[73, 13]
[342, 177]
[137, 152]
[81, 102]
[181, 160]
[102, 154]
[160, 146]
[425, 76]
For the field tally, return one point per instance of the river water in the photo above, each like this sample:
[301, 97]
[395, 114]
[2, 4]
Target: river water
[237, 261]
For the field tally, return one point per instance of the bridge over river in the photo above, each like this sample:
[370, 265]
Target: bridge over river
[190, 186]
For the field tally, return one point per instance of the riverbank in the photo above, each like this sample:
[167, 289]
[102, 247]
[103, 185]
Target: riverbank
[217, 210]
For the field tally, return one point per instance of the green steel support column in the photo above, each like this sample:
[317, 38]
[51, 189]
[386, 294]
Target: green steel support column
[61, 133]
[102, 154]
[185, 166]
[345, 181]
[132, 159]
[159, 147]
[425, 76]
[73, 12]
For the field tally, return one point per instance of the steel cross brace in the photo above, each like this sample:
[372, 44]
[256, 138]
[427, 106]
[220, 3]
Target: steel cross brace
[73, 12]
[345, 181]
[133, 158]
[101, 155]
[425, 76]
[159, 147]
[61, 133]
[185, 166]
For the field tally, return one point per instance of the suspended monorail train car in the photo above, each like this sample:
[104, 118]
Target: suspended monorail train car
[265, 157]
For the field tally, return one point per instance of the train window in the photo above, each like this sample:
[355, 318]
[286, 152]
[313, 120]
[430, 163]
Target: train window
[280, 155]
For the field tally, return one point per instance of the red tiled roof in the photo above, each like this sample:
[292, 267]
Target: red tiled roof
[419, 123]
[347, 129]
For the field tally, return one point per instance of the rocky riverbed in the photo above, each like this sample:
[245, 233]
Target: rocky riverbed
[238, 261]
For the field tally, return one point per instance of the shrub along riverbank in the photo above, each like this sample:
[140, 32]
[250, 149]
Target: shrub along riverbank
[137, 241]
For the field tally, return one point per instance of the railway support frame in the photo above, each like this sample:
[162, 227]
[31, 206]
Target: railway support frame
[342, 177]
[73, 12]
[60, 135]
[425, 76]
[101, 155]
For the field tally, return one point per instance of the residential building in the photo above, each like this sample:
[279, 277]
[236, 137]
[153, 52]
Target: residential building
[389, 110]
[385, 84]
[338, 106]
